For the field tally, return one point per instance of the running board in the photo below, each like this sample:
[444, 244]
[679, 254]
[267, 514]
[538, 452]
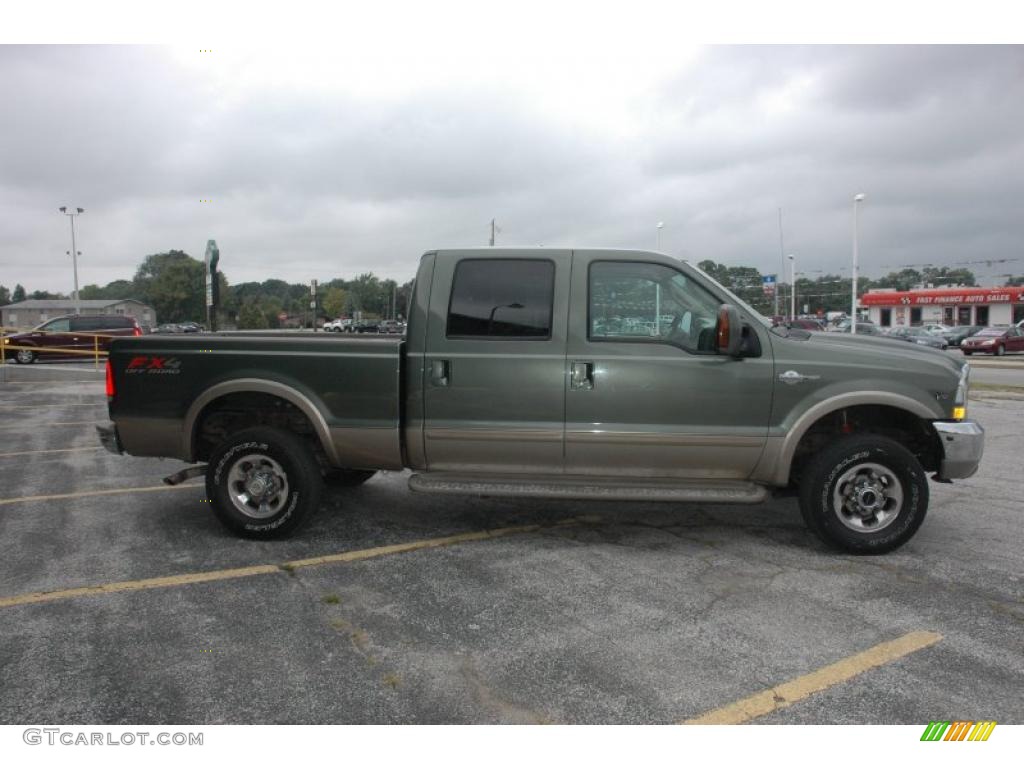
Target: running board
[584, 487]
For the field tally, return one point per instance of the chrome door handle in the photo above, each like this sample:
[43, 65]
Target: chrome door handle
[440, 372]
[581, 376]
[792, 377]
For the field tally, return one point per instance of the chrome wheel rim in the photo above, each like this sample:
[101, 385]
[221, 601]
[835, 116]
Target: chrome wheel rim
[867, 498]
[257, 486]
[24, 355]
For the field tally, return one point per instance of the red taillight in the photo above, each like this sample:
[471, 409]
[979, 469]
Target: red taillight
[136, 331]
[110, 381]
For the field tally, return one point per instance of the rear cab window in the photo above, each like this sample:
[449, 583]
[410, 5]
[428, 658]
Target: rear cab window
[501, 299]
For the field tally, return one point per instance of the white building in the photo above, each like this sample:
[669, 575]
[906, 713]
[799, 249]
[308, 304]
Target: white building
[32, 312]
[949, 306]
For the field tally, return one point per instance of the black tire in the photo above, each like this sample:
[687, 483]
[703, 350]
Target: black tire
[25, 356]
[845, 466]
[1000, 350]
[262, 454]
[348, 478]
[967, 354]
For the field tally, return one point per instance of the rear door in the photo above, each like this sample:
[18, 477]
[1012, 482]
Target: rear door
[494, 367]
[646, 394]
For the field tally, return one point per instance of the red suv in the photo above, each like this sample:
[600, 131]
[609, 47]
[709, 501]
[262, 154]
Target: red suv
[70, 337]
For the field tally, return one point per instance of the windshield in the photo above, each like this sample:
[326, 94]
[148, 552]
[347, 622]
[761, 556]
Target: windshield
[752, 313]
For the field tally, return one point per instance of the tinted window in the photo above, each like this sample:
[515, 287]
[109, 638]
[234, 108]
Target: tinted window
[508, 298]
[60, 325]
[84, 323]
[633, 301]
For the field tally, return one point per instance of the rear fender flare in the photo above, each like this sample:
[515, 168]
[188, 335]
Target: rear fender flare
[264, 386]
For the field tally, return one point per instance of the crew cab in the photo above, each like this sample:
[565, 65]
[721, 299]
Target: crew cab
[613, 375]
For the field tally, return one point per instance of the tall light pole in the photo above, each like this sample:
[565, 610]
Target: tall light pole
[659, 227]
[792, 286]
[74, 251]
[857, 200]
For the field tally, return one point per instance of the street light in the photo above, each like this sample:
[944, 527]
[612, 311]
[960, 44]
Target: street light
[792, 284]
[74, 251]
[659, 227]
[858, 198]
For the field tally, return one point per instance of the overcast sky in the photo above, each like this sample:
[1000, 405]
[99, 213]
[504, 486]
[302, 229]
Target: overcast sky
[321, 164]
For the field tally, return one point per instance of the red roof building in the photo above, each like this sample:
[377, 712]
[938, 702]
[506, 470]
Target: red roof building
[949, 306]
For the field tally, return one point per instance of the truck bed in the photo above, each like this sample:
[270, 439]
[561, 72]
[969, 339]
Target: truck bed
[348, 387]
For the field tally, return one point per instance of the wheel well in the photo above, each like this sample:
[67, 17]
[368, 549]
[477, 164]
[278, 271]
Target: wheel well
[912, 432]
[240, 410]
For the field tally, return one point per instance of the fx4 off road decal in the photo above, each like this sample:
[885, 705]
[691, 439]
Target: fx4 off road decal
[153, 364]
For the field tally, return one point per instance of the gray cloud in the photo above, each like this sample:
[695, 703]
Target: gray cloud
[320, 182]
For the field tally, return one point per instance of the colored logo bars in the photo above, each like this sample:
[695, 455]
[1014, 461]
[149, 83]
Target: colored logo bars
[958, 730]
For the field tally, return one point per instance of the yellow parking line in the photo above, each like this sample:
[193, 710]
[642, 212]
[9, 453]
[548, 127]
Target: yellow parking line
[86, 494]
[787, 694]
[51, 450]
[258, 570]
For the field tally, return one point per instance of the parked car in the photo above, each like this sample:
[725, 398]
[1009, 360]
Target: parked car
[68, 337]
[955, 336]
[390, 327]
[191, 327]
[996, 340]
[365, 326]
[936, 328]
[168, 328]
[863, 326]
[507, 386]
[807, 325]
[918, 335]
[340, 325]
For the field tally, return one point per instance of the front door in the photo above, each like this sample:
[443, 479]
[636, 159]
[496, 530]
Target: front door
[647, 395]
[494, 365]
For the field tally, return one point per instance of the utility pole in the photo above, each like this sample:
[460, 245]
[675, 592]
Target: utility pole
[857, 199]
[494, 228]
[74, 251]
[782, 255]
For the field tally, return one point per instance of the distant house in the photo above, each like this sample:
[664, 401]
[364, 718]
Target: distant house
[32, 312]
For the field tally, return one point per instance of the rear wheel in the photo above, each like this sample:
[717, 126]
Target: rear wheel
[263, 482]
[1000, 350]
[25, 356]
[866, 494]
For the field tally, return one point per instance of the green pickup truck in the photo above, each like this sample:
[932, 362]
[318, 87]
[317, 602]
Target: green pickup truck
[584, 374]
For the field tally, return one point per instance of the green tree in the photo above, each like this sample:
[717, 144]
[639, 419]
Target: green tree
[5, 295]
[943, 276]
[19, 293]
[250, 316]
[174, 284]
[335, 301]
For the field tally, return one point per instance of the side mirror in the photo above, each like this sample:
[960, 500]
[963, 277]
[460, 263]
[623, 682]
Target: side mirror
[729, 332]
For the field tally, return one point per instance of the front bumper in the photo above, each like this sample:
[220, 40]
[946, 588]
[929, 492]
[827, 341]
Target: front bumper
[109, 438]
[963, 443]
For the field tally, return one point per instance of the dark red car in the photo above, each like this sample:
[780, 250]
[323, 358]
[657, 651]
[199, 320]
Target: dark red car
[71, 337]
[997, 341]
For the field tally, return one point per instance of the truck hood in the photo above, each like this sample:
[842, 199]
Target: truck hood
[862, 347]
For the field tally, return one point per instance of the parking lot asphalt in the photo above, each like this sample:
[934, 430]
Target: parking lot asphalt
[574, 612]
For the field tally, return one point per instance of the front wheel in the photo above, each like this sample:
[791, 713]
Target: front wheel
[1000, 350]
[25, 356]
[866, 494]
[263, 482]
